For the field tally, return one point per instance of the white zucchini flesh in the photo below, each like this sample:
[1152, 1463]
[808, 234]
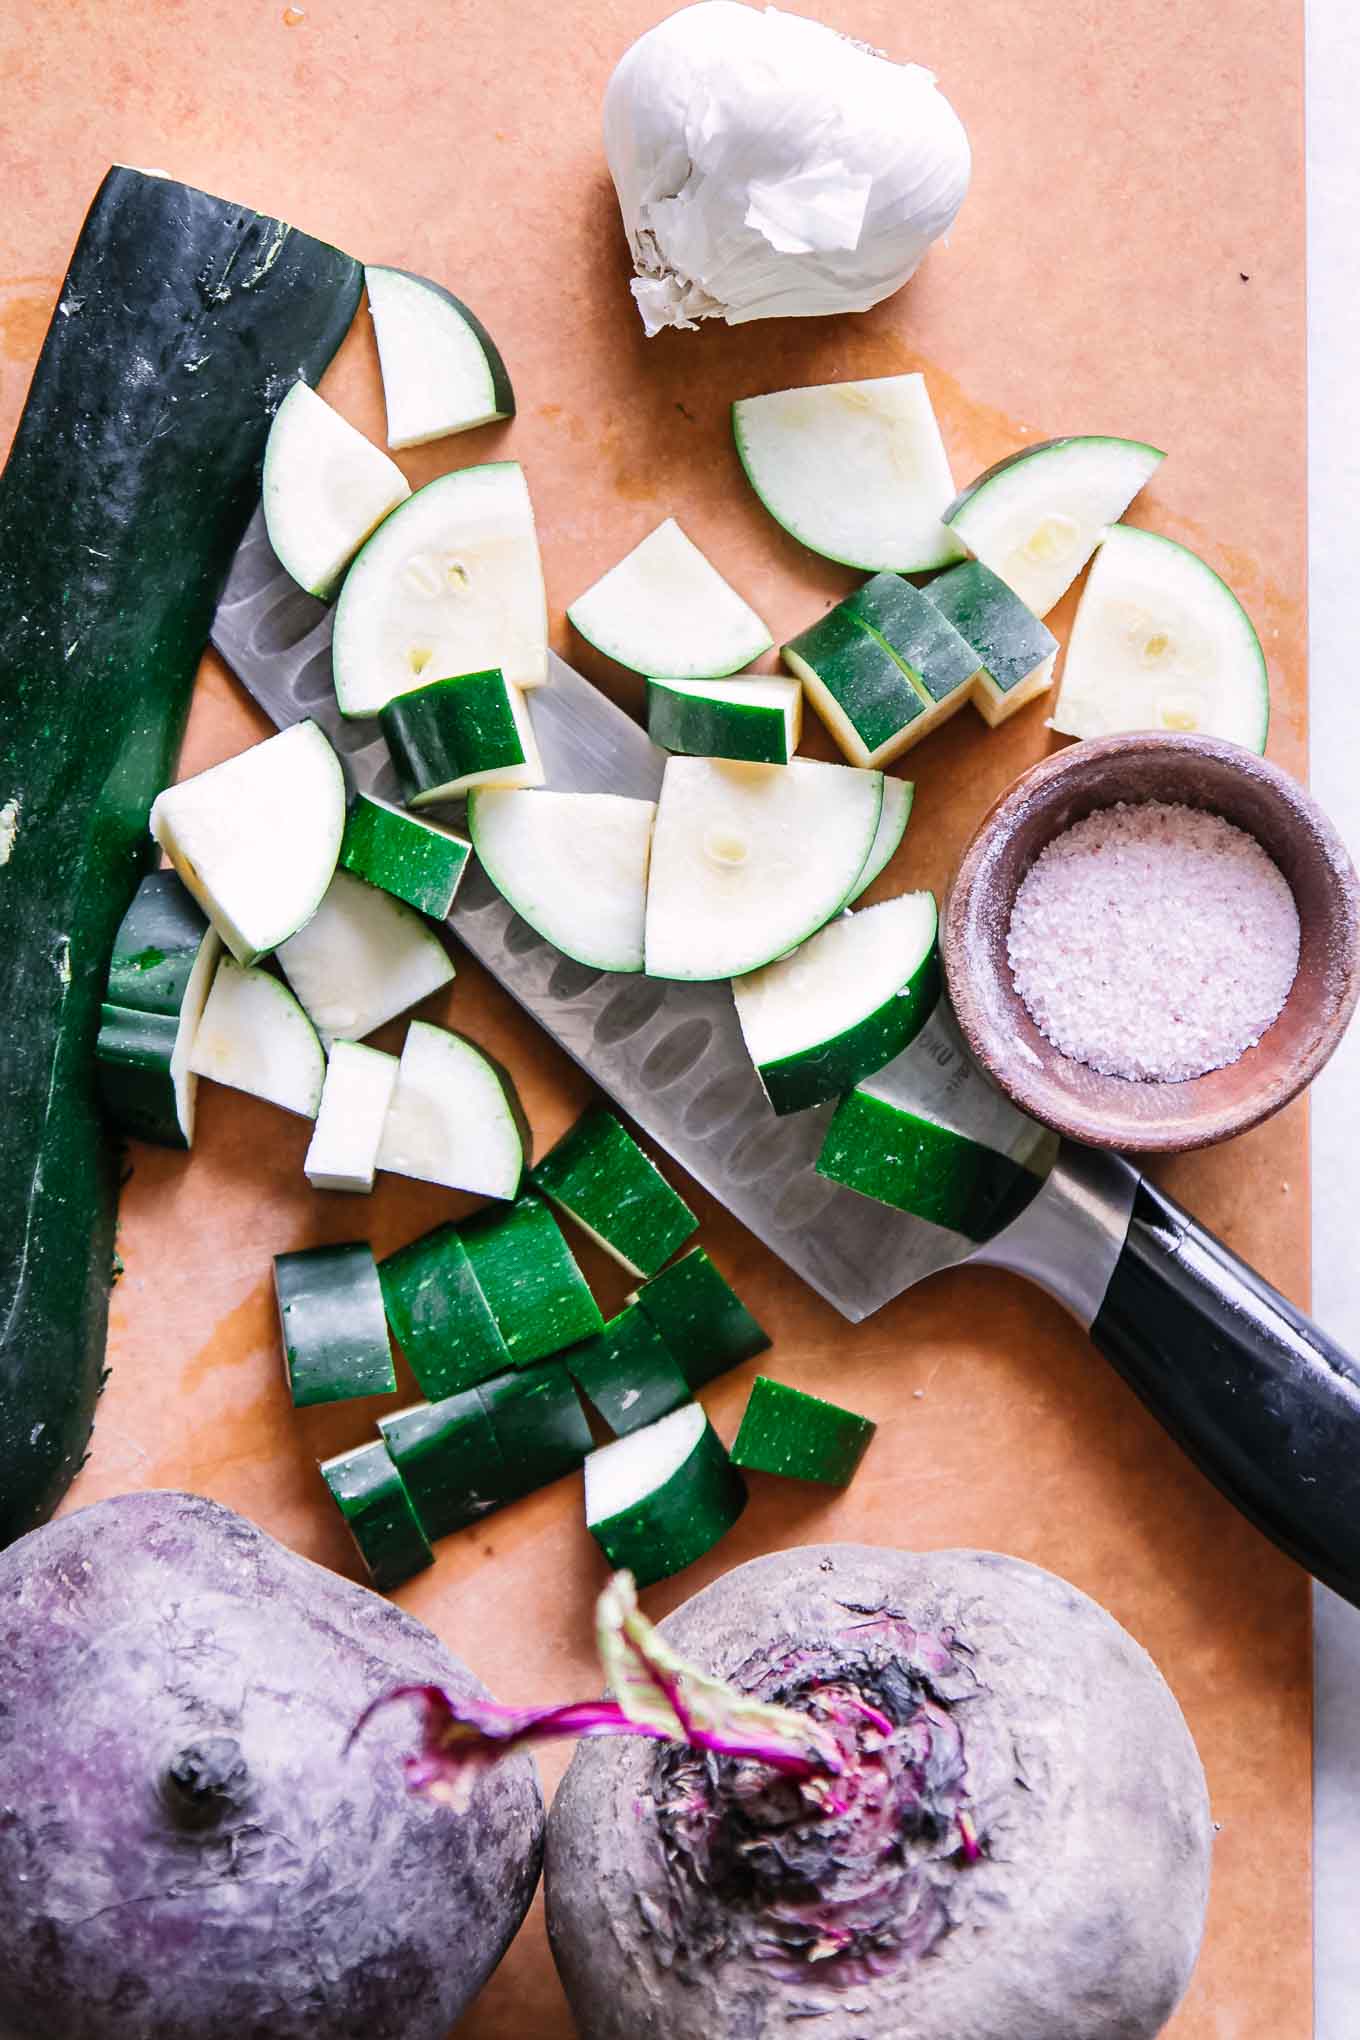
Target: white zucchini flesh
[325, 488]
[996, 707]
[354, 1103]
[450, 583]
[1161, 643]
[363, 958]
[857, 471]
[840, 977]
[454, 1118]
[1036, 518]
[573, 865]
[749, 860]
[256, 838]
[665, 609]
[620, 1475]
[255, 1037]
[441, 372]
[894, 815]
[195, 998]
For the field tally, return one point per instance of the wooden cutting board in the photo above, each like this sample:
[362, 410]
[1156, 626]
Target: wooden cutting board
[1130, 260]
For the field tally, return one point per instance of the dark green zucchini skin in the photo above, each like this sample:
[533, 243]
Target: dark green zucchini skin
[182, 322]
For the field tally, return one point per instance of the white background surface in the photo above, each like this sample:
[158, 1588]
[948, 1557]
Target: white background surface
[1334, 533]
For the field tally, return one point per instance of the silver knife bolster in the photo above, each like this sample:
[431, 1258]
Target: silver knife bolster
[1070, 1236]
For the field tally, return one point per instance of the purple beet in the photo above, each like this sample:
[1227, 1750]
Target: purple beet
[1016, 1845]
[187, 1850]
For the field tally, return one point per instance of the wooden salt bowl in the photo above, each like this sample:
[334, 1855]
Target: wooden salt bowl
[1118, 1112]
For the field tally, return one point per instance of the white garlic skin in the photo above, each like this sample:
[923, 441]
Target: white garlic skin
[767, 167]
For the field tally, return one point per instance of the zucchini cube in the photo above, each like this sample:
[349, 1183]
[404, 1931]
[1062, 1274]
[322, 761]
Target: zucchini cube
[335, 1342]
[600, 1177]
[472, 729]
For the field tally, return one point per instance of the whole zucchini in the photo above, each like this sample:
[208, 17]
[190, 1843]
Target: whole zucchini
[182, 322]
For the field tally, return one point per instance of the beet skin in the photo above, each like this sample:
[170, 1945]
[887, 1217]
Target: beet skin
[1022, 1855]
[186, 1850]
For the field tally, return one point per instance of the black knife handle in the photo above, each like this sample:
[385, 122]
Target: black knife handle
[1263, 1402]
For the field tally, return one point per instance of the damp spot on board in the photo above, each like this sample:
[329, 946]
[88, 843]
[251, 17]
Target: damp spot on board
[237, 1338]
[23, 319]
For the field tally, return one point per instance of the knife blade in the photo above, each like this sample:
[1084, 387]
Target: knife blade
[670, 1055]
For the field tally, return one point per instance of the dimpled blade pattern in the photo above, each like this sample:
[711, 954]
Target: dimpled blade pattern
[671, 1055]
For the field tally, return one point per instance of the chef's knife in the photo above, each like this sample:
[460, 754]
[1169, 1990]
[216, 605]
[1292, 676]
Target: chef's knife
[1253, 1391]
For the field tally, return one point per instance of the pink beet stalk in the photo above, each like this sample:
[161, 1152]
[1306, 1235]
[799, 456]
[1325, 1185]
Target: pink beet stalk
[839, 1777]
[465, 1733]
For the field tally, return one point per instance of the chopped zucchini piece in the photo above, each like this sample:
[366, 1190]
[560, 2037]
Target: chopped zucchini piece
[255, 1037]
[749, 860]
[446, 1452]
[441, 1318]
[164, 956]
[786, 1431]
[882, 669]
[1015, 652]
[363, 958]
[354, 1103]
[134, 1066]
[573, 865]
[601, 1178]
[540, 1428]
[660, 1498]
[858, 689]
[441, 370]
[325, 488]
[158, 949]
[471, 730]
[538, 1296]
[665, 609]
[371, 1496]
[255, 839]
[628, 1373]
[877, 1147]
[857, 471]
[1036, 517]
[844, 1004]
[416, 859]
[335, 1343]
[898, 795]
[1161, 643]
[701, 1318]
[451, 582]
[939, 663]
[759, 721]
[455, 1117]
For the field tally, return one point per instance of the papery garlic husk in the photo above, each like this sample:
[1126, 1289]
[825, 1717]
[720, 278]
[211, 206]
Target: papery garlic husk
[767, 167]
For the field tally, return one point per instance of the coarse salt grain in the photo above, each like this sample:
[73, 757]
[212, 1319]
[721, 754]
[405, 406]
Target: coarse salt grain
[1153, 940]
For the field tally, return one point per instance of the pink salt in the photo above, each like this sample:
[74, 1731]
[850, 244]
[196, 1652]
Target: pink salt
[1153, 941]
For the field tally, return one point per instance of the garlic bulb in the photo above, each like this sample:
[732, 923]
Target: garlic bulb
[767, 167]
